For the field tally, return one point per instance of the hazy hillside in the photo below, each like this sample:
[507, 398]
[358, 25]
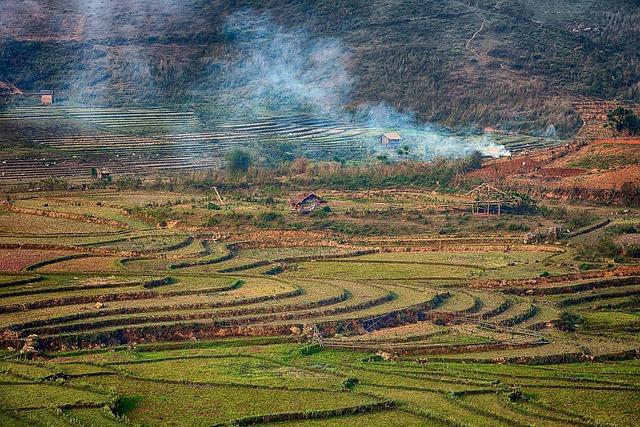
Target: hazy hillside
[511, 63]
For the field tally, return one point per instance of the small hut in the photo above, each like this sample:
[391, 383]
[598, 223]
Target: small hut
[305, 203]
[391, 139]
[102, 174]
[46, 97]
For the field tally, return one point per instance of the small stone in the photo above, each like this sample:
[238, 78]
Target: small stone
[295, 330]
[99, 305]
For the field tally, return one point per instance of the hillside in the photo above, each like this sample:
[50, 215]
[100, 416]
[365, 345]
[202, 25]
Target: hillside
[515, 64]
[599, 165]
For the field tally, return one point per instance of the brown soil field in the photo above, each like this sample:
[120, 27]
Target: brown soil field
[560, 172]
[622, 140]
[502, 168]
[17, 259]
[611, 179]
[628, 240]
[584, 172]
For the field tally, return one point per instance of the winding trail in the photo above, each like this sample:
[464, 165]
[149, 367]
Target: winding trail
[468, 44]
[473, 37]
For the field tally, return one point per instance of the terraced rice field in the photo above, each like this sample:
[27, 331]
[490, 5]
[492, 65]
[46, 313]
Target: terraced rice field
[128, 140]
[154, 139]
[97, 329]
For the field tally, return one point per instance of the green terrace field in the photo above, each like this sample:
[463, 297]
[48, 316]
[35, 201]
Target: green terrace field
[132, 323]
[254, 380]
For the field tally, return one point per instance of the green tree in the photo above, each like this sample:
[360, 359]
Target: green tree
[238, 161]
[623, 120]
[473, 161]
[607, 248]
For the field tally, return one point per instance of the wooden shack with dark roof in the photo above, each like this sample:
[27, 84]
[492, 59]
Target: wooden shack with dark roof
[306, 202]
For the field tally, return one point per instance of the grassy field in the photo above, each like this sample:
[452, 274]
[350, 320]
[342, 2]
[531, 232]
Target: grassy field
[256, 322]
[234, 380]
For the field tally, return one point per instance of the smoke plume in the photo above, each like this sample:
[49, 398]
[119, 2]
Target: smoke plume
[281, 70]
[286, 71]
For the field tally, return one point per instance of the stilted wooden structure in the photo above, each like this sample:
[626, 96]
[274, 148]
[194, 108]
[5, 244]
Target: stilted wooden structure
[490, 200]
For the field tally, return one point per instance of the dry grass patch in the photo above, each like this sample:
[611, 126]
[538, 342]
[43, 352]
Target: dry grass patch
[17, 259]
[15, 223]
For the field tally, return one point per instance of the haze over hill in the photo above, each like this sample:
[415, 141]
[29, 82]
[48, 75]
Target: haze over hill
[516, 64]
[319, 213]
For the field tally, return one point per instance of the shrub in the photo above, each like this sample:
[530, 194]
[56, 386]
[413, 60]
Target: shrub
[580, 219]
[238, 161]
[554, 213]
[586, 266]
[308, 350]
[321, 213]
[129, 183]
[213, 207]
[545, 274]
[274, 270]
[462, 219]
[623, 120]
[607, 248]
[373, 358]
[473, 162]
[515, 396]
[212, 221]
[623, 229]
[299, 165]
[126, 404]
[349, 383]
[568, 321]
[270, 217]
[238, 216]
[158, 214]
[518, 227]
[527, 206]
[633, 251]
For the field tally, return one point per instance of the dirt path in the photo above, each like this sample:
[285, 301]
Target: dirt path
[473, 37]
[468, 43]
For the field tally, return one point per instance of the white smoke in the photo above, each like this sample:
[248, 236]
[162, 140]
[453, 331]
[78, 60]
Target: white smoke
[279, 70]
[287, 71]
[265, 69]
[425, 141]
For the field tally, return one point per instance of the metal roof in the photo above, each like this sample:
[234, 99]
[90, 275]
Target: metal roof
[392, 135]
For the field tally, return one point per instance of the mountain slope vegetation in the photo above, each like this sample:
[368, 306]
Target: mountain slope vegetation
[514, 64]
